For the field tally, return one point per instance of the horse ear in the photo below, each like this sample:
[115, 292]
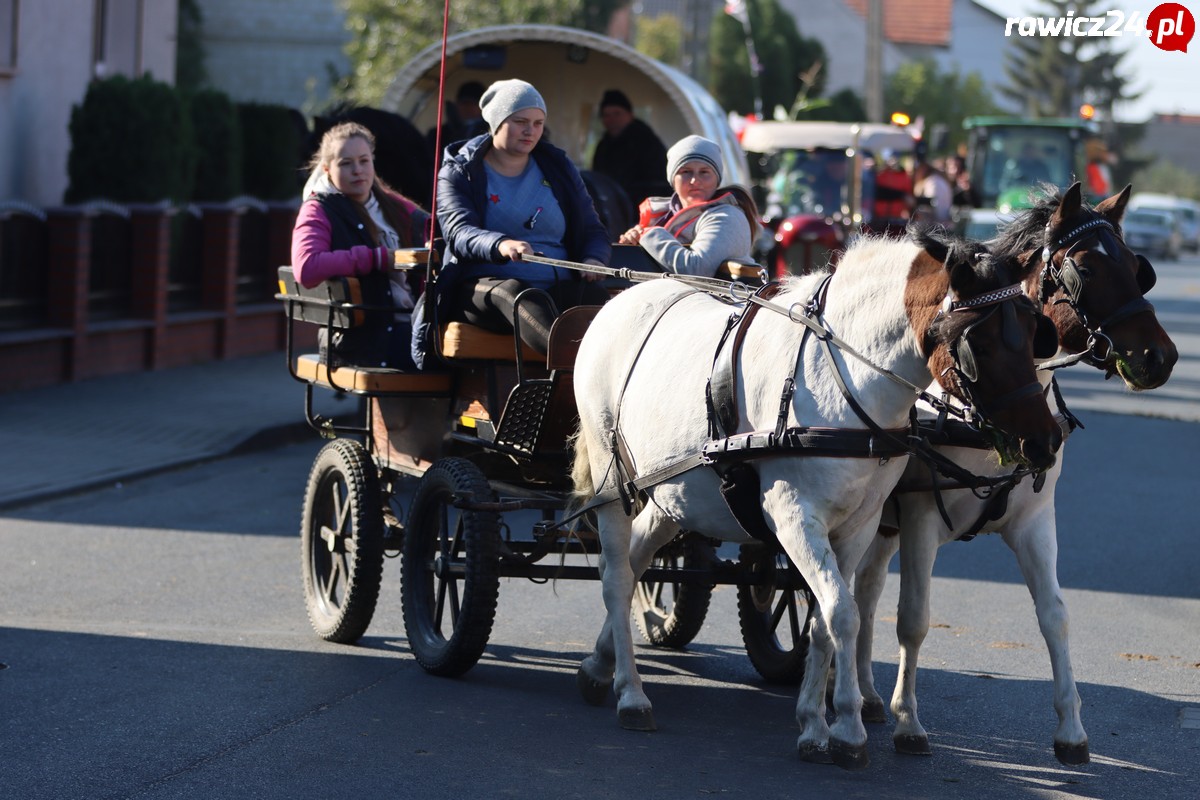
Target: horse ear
[1069, 206]
[1113, 208]
[937, 248]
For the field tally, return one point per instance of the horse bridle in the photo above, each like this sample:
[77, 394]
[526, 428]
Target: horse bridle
[1070, 279]
[966, 365]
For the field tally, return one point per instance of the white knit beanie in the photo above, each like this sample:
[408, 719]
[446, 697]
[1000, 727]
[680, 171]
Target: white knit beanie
[505, 98]
[693, 148]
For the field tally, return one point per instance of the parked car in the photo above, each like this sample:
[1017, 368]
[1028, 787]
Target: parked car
[1186, 212]
[1152, 232]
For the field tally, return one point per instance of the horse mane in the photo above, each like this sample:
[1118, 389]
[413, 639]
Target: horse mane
[1027, 231]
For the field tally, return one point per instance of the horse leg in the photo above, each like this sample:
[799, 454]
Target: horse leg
[918, 549]
[869, 579]
[595, 676]
[614, 648]
[846, 740]
[1036, 549]
[813, 744]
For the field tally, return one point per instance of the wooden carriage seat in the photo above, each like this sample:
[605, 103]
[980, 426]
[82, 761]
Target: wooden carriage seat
[463, 341]
[341, 294]
[371, 380]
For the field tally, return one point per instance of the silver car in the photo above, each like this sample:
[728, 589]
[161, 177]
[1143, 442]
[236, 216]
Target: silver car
[1153, 233]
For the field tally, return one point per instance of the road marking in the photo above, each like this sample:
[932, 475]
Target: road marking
[1189, 717]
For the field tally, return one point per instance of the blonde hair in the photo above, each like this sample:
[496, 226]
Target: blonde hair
[333, 140]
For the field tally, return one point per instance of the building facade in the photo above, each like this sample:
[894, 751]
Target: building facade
[49, 51]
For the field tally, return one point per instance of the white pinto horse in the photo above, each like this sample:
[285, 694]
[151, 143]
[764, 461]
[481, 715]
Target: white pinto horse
[640, 384]
[1093, 290]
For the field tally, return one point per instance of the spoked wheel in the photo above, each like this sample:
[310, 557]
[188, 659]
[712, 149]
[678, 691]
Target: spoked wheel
[341, 537]
[670, 614]
[449, 575]
[775, 619]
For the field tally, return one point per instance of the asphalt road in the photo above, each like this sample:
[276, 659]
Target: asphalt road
[154, 645]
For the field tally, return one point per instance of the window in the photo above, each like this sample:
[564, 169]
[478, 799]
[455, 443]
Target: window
[117, 38]
[8, 36]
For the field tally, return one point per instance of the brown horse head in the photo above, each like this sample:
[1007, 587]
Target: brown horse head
[981, 336]
[1093, 286]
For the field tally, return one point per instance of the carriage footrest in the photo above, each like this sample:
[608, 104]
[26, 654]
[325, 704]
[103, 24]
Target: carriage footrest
[524, 414]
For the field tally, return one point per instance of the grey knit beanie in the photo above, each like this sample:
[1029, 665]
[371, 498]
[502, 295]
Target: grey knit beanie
[693, 148]
[505, 98]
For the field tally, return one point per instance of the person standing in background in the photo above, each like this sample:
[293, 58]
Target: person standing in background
[630, 152]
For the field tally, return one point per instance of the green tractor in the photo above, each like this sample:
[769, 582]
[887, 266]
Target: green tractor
[1007, 157]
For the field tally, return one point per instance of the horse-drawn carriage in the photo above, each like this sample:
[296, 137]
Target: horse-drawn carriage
[785, 437]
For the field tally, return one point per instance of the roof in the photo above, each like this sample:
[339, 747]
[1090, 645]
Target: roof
[767, 137]
[1029, 122]
[571, 69]
[925, 22]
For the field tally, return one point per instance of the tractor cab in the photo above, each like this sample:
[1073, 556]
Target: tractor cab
[1009, 157]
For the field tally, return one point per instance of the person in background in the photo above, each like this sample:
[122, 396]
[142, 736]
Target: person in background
[933, 194]
[960, 182]
[349, 225]
[893, 189]
[630, 152]
[466, 101]
[506, 195]
[702, 225]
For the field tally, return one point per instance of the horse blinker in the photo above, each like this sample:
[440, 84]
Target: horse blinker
[1146, 277]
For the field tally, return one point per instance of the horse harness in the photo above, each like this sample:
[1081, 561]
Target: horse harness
[729, 452]
[1071, 280]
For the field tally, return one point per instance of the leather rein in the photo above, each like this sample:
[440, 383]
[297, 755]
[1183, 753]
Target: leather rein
[726, 446]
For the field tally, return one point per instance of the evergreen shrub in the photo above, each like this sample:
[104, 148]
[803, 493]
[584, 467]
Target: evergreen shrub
[131, 142]
[218, 135]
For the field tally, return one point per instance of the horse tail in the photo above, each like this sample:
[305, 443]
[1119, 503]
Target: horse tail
[581, 470]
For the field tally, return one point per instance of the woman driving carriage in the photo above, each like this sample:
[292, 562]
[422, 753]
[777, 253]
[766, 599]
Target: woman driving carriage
[700, 226]
[507, 194]
[348, 226]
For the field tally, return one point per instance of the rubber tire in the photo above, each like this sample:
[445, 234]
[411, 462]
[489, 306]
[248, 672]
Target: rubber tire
[450, 647]
[674, 622]
[341, 540]
[760, 614]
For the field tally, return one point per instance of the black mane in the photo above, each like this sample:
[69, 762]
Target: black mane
[1027, 231]
[952, 249]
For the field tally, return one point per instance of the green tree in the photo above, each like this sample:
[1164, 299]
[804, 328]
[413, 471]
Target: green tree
[844, 105]
[387, 33]
[783, 55]
[1166, 178]
[1051, 76]
[919, 88]
[660, 38]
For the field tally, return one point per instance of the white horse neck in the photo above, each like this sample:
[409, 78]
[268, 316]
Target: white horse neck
[864, 307]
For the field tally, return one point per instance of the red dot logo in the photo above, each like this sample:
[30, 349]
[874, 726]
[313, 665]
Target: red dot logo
[1171, 27]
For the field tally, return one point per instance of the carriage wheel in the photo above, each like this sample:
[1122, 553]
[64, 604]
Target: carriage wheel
[775, 621]
[341, 537]
[671, 614]
[449, 575]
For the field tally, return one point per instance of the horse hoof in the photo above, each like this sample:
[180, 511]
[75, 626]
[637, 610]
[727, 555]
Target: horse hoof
[594, 692]
[872, 711]
[849, 756]
[813, 753]
[637, 719]
[912, 745]
[1072, 755]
